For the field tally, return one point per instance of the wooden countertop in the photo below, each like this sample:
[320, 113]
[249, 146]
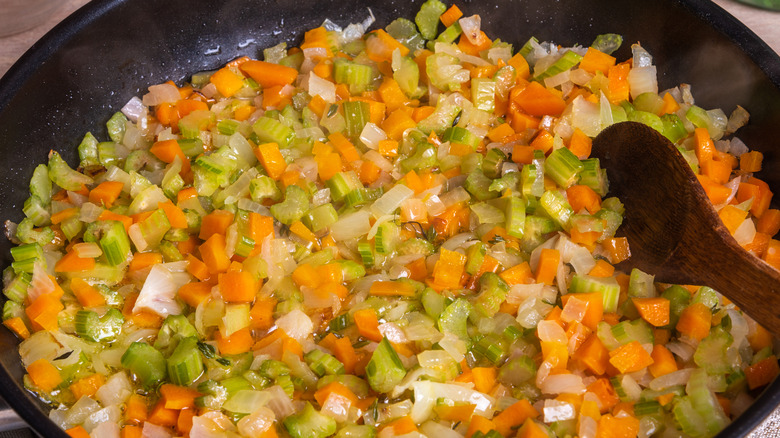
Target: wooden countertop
[764, 23]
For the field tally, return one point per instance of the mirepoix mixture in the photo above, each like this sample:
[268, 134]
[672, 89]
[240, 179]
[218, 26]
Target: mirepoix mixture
[383, 232]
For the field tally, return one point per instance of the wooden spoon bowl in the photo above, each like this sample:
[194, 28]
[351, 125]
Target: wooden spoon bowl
[673, 230]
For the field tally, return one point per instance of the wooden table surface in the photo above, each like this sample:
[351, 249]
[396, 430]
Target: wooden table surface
[765, 24]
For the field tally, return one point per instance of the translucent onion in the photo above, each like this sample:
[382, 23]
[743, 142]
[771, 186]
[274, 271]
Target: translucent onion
[372, 135]
[280, 402]
[390, 200]
[256, 423]
[377, 158]
[438, 430]
[320, 197]
[116, 390]
[109, 414]
[520, 292]
[586, 116]
[745, 232]
[107, 429]
[555, 410]
[457, 241]
[574, 310]
[426, 393]
[246, 401]
[393, 333]
[296, 324]
[563, 384]
[134, 109]
[679, 377]
[454, 346]
[737, 147]
[551, 331]
[321, 87]
[471, 28]
[556, 80]
[642, 80]
[351, 225]
[161, 93]
[580, 76]
[158, 293]
[435, 206]
[212, 424]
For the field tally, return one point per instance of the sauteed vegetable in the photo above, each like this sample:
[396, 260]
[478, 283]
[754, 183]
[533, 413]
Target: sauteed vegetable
[389, 232]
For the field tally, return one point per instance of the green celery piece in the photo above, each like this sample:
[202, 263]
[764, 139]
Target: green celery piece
[356, 115]
[563, 167]
[139, 159]
[13, 309]
[475, 255]
[427, 19]
[174, 328]
[342, 183]
[146, 363]
[445, 72]
[705, 403]
[386, 238]
[442, 117]
[607, 286]
[214, 395]
[592, 176]
[40, 184]
[566, 62]
[351, 270]
[185, 364]
[648, 119]
[366, 253]
[406, 33]
[323, 363]
[479, 185]
[108, 154]
[308, 423]
[16, 290]
[88, 153]
[492, 294]
[515, 216]
[358, 76]
[264, 187]
[607, 42]
[96, 328]
[711, 353]
[508, 181]
[116, 126]
[295, 205]
[674, 129]
[528, 47]
[62, 174]
[517, 370]
[459, 135]
[613, 221]
[449, 35]
[454, 319]
[690, 158]
[37, 211]
[492, 347]
[113, 240]
[269, 130]
[385, 369]
[556, 206]
[641, 284]
[357, 431]
[154, 227]
[423, 158]
[649, 101]
[707, 296]
[407, 75]
[483, 93]
[493, 163]
[193, 123]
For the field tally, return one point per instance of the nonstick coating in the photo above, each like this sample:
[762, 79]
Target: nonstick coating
[85, 69]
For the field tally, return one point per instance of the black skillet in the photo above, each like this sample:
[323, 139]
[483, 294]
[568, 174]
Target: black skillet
[110, 50]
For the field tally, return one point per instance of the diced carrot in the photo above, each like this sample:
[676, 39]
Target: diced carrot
[604, 390]
[539, 101]
[106, 193]
[663, 361]
[168, 150]
[450, 16]
[583, 197]
[751, 161]
[44, 375]
[184, 422]
[732, 217]
[617, 249]
[759, 338]
[595, 309]
[761, 203]
[197, 268]
[484, 378]
[178, 397]
[227, 82]
[654, 310]
[136, 409]
[548, 265]
[143, 260]
[769, 223]
[215, 222]
[344, 147]
[338, 388]
[392, 95]
[43, 312]
[459, 412]
[87, 386]
[595, 60]
[580, 144]
[214, 255]
[87, 295]
[396, 123]
[238, 286]
[479, 424]
[392, 288]
[514, 416]
[522, 154]
[617, 427]
[268, 74]
[543, 141]
[402, 426]
[271, 158]
[71, 262]
[367, 323]
[602, 269]
[719, 171]
[705, 148]
[261, 315]
[175, 215]
[518, 274]
[618, 89]
[762, 373]
[328, 165]
[17, 325]
[187, 106]
[448, 270]
[717, 193]
[630, 357]
[695, 321]
[162, 416]
[306, 275]
[77, 432]
[670, 104]
[238, 342]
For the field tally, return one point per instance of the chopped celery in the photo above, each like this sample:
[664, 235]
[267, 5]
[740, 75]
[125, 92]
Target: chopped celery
[269, 130]
[454, 318]
[641, 284]
[62, 174]
[295, 205]
[427, 19]
[116, 127]
[96, 328]
[563, 167]
[358, 76]
[479, 185]
[492, 294]
[556, 206]
[356, 115]
[493, 163]
[385, 370]
[185, 364]
[607, 42]
[308, 423]
[88, 153]
[145, 362]
[607, 286]
[568, 60]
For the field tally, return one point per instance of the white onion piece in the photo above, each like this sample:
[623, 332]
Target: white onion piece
[89, 212]
[471, 28]
[679, 377]
[116, 390]
[438, 430]
[296, 325]
[520, 292]
[391, 200]
[642, 80]
[107, 429]
[454, 196]
[745, 232]
[133, 109]
[563, 384]
[551, 331]
[280, 402]
[254, 424]
[161, 93]
[426, 393]
[555, 410]
[574, 310]
[377, 158]
[158, 293]
[351, 225]
[372, 135]
[322, 87]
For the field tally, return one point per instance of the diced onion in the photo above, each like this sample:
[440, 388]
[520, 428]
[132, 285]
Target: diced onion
[372, 135]
[563, 384]
[642, 80]
[679, 377]
[322, 87]
[296, 324]
[162, 93]
[134, 109]
[391, 200]
[555, 410]
[351, 225]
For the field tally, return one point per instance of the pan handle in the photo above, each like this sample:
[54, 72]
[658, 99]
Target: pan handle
[9, 419]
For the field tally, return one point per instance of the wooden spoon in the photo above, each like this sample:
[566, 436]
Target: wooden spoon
[673, 231]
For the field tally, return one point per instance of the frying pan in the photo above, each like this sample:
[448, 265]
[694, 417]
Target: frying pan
[90, 65]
